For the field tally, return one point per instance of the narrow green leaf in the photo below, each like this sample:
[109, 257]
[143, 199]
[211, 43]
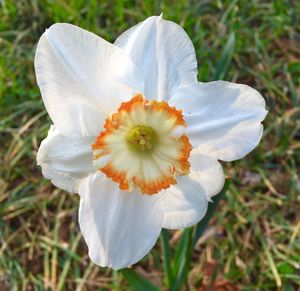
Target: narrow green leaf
[226, 58]
[190, 236]
[137, 282]
[184, 261]
[180, 252]
[164, 238]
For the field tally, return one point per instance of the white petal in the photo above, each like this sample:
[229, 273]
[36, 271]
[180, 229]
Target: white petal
[163, 52]
[82, 78]
[207, 171]
[119, 227]
[223, 119]
[65, 161]
[183, 204]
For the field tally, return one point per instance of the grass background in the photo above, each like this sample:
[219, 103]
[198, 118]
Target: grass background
[253, 240]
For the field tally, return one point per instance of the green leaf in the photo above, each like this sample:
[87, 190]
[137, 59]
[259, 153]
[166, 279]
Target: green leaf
[183, 259]
[226, 58]
[180, 251]
[137, 282]
[189, 238]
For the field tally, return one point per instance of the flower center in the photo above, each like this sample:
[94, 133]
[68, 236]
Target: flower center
[143, 146]
[141, 138]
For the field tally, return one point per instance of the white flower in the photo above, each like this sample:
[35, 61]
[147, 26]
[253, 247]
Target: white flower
[130, 119]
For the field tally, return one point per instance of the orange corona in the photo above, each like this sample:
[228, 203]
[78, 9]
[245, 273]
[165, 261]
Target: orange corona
[142, 146]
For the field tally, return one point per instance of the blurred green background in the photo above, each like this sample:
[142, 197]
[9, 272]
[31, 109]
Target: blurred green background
[252, 242]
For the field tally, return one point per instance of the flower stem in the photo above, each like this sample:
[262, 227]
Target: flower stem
[164, 238]
[189, 239]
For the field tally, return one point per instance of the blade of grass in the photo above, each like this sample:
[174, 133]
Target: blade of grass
[272, 265]
[226, 57]
[67, 264]
[54, 255]
[137, 282]
[81, 281]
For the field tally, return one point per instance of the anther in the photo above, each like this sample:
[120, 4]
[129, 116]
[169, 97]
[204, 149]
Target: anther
[141, 138]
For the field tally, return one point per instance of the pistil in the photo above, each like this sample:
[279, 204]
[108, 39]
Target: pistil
[141, 138]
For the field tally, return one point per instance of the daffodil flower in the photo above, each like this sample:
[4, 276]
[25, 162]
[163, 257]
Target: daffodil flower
[135, 134]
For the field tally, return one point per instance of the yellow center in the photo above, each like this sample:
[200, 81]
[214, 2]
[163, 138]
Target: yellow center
[141, 138]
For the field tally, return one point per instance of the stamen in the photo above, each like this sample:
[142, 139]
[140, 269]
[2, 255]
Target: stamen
[141, 138]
